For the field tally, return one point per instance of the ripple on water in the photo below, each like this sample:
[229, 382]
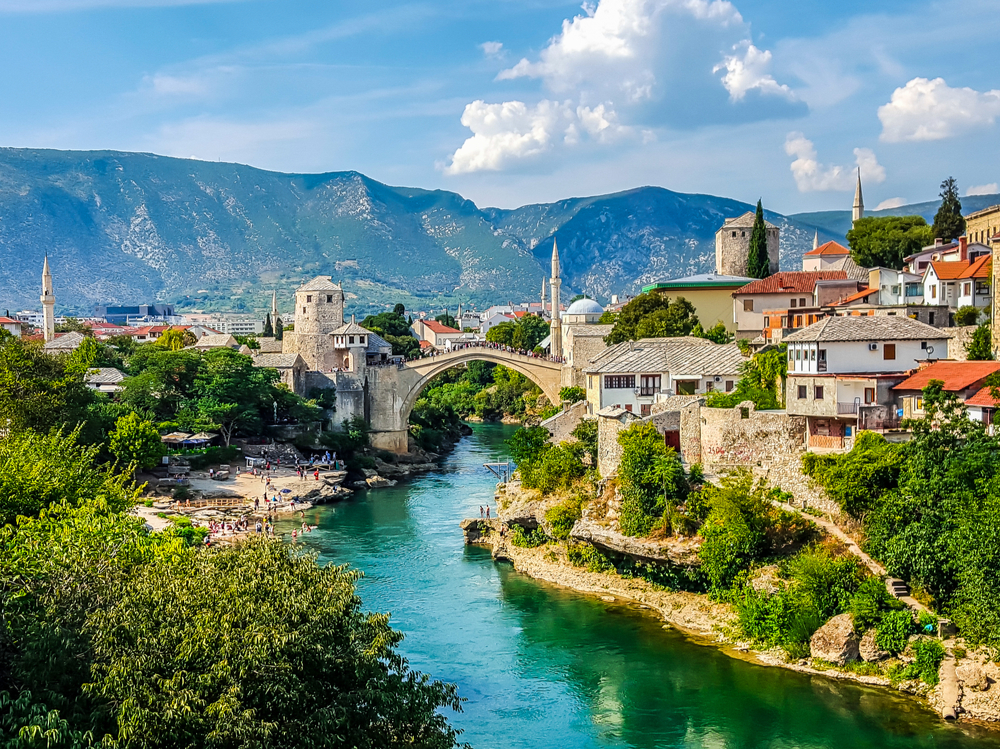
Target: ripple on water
[546, 667]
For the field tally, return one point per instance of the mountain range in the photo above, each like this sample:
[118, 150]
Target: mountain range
[134, 228]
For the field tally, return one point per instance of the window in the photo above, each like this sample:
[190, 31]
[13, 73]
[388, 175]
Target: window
[798, 321]
[748, 305]
[734, 233]
[309, 298]
[303, 311]
[967, 288]
[930, 318]
[818, 393]
[685, 387]
[933, 291]
[619, 381]
[918, 403]
[889, 351]
[645, 409]
[649, 385]
[812, 354]
[729, 385]
[350, 339]
[628, 407]
[709, 386]
[821, 364]
[767, 321]
[329, 298]
[743, 234]
[361, 340]
[784, 321]
[791, 354]
[802, 301]
[798, 354]
[793, 303]
[802, 391]
[869, 395]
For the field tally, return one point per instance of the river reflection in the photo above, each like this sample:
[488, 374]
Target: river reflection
[546, 667]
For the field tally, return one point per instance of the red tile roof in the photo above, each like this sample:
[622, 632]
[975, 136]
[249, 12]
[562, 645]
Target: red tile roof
[981, 268]
[439, 327]
[520, 313]
[792, 282]
[855, 297]
[829, 248]
[956, 376]
[982, 398]
[4, 319]
[949, 269]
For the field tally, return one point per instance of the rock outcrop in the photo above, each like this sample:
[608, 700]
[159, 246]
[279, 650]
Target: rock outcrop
[869, 650]
[835, 641]
[675, 551]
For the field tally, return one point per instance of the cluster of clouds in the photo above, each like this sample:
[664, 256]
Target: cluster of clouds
[612, 71]
[619, 61]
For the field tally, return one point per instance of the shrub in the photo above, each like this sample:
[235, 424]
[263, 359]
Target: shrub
[519, 537]
[858, 479]
[870, 603]
[649, 476]
[559, 467]
[589, 557]
[586, 433]
[893, 631]
[572, 393]
[929, 654]
[561, 517]
[967, 315]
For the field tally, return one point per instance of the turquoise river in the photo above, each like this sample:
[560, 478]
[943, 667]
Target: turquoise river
[543, 666]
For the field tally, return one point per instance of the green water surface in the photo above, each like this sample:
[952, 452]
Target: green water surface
[542, 666]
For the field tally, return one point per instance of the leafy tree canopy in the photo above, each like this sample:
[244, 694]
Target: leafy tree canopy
[948, 221]
[980, 346]
[653, 315]
[885, 240]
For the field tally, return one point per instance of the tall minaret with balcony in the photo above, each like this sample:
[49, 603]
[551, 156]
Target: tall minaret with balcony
[555, 327]
[48, 303]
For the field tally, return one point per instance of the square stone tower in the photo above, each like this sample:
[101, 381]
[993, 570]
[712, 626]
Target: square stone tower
[319, 311]
[732, 243]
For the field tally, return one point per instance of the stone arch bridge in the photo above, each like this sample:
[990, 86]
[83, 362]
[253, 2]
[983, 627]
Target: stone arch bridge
[393, 391]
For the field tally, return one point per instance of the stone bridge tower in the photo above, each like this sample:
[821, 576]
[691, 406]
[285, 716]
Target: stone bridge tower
[319, 311]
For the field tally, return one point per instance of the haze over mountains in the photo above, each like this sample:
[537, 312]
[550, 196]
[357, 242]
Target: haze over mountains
[127, 227]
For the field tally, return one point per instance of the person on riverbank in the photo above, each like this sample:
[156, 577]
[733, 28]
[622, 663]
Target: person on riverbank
[316, 475]
[481, 511]
[487, 513]
[259, 526]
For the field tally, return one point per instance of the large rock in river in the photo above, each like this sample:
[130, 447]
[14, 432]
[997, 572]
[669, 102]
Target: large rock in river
[835, 642]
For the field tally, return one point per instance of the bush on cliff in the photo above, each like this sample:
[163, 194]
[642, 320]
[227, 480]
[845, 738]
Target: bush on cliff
[650, 479]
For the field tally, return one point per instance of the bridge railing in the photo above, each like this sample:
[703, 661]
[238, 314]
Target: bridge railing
[497, 348]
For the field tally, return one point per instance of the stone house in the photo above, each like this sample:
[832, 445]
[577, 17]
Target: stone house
[581, 344]
[841, 372]
[105, 379]
[633, 375]
[291, 368]
[787, 290]
[215, 341]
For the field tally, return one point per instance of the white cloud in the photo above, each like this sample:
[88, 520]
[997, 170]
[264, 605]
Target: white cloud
[811, 176]
[492, 49]
[513, 131]
[891, 203]
[615, 47]
[929, 110]
[748, 72]
[988, 189]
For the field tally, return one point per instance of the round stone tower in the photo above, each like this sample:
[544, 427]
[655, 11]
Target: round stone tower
[319, 311]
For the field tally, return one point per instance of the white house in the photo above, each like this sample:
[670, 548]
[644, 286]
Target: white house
[896, 287]
[632, 375]
[494, 320]
[10, 325]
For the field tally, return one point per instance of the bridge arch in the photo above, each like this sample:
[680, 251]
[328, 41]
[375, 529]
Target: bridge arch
[397, 389]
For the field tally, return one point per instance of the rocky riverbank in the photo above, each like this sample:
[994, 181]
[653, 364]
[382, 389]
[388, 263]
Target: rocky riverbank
[968, 692]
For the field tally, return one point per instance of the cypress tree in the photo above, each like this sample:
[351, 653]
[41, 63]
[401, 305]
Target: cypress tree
[268, 328]
[758, 262]
[279, 329]
[948, 221]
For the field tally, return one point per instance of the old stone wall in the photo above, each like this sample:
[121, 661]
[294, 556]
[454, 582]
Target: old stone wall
[690, 425]
[960, 338]
[743, 436]
[609, 452]
[562, 424]
[731, 252]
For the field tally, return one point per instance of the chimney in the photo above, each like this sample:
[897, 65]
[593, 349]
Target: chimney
[938, 241]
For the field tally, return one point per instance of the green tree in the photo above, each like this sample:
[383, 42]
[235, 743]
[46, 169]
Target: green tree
[162, 380]
[502, 333]
[967, 315]
[394, 328]
[980, 346]
[762, 381]
[717, 333]
[645, 492]
[758, 260]
[530, 332]
[74, 324]
[232, 393]
[572, 393]
[175, 339]
[885, 240]
[268, 326]
[248, 340]
[166, 645]
[279, 329]
[447, 320]
[399, 310]
[653, 315]
[135, 442]
[948, 221]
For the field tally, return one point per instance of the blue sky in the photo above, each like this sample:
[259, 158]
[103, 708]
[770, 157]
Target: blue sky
[519, 101]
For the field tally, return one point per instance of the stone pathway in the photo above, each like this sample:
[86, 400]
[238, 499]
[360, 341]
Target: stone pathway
[149, 516]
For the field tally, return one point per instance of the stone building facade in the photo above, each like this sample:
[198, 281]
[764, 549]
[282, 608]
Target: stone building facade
[732, 244]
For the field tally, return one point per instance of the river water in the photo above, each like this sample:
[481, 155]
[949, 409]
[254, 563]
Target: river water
[542, 666]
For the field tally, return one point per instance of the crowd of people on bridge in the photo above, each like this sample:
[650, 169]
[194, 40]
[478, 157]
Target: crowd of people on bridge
[455, 347]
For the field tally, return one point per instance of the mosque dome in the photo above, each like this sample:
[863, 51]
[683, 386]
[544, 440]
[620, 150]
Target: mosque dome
[584, 306]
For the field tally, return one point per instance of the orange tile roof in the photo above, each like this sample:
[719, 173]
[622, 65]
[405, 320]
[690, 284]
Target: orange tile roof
[949, 269]
[792, 282]
[855, 297]
[439, 327]
[829, 248]
[981, 268]
[983, 397]
[956, 376]
[520, 313]
[4, 319]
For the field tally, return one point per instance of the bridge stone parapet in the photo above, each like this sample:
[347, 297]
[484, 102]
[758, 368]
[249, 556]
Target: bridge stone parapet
[394, 390]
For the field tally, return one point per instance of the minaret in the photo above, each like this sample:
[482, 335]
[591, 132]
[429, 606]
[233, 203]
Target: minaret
[274, 307]
[543, 297]
[555, 327]
[48, 302]
[859, 203]
[816, 240]
[458, 320]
